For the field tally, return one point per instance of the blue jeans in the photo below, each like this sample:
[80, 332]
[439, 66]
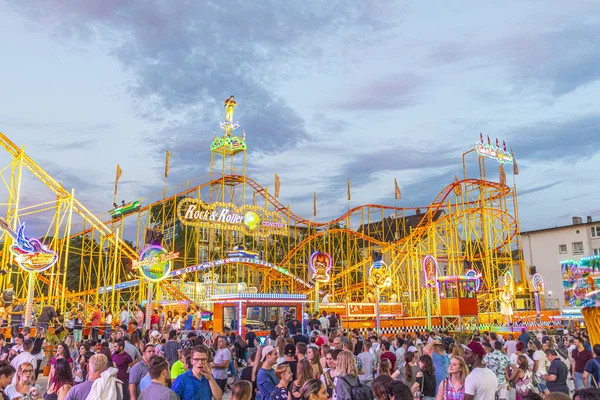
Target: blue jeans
[107, 331]
[579, 380]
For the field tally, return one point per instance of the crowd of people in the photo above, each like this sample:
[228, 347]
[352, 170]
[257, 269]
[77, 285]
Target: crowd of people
[313, 359]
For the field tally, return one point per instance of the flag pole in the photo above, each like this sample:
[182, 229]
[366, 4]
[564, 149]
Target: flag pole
[167, 167]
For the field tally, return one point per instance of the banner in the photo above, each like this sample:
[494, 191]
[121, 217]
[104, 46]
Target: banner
[167, 163]
[277, 186]
[348, 189]
[119, 173]
[397, 194]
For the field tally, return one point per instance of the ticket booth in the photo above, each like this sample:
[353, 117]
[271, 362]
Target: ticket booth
[262, 311]
[458, 295]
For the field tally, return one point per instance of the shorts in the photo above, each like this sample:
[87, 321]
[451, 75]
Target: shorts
[502, 391]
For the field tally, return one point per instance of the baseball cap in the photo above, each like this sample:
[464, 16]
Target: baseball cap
[266, 350]
[290, 350]
[156, 334]
[476, 348]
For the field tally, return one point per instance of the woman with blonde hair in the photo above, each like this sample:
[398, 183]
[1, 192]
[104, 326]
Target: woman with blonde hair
[347, 375]
[241, 390]
[312, 353]
[24, 383]
[453, 387]
[304, 373]
[280, 345]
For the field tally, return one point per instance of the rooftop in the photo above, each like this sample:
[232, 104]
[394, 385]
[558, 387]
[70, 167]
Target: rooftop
[576, 222]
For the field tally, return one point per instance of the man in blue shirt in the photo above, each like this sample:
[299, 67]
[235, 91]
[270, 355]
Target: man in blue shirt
[524, 337]
[592, 367]
[198, 383]
[266, 379]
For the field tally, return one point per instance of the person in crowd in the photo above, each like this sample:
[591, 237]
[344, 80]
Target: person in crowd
[122, 361]
[312, 355]
[522, 377]
[481, 383]
[62, 381]
[284, 374]
[221, 363]
[399, 391]
[437, 351]
[7, 373]
[96, 322]
[290, 359]
[265, 378]
[385, 367]
[591, 371]
[498, 362]
[453, 387]
[25, 356]
[379, 386]
[407, 373]
[16, 312]
[180, 366]
[425, 382]
[539, 364]
[368, 362]
[172, 348]
[198, 382]
[587, 394]
[556, 378]
[158, 369]
[304, 373]
[38, 349]
[347, 375]
[241, 390]
[108, 319]
[24, 383]
[139, 370]
[388, 354]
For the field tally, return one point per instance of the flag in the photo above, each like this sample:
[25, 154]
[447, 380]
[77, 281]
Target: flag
[315, 204]
[254, 198]
[119, 173]
[277, 186]
[502, 175]
[348, 189]
[515, 166]
[167, 163]
[397, 194]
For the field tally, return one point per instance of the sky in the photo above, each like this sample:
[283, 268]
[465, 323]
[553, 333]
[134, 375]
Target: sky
[327, 91]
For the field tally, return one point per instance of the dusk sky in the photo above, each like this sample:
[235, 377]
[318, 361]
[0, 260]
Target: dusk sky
[327, 90]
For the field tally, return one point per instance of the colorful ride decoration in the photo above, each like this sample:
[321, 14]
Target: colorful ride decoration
[29, 253]
[537, 282]
[581, 282]
[125, 209]
[155, 263]
[496, 152]
[240, 251]
[430, 268]
[475, 284]
[380, 275]
[320, 265]
[251, 220]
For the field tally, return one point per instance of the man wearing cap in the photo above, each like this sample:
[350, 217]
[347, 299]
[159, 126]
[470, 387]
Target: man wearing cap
[266, 379]
[481, 383]
[138, 371]
[290, 358]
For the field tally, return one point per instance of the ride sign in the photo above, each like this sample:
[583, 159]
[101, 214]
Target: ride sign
[249, 219]
[155, 263]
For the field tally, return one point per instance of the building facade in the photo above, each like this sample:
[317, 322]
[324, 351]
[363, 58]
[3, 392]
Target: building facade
[544, 249]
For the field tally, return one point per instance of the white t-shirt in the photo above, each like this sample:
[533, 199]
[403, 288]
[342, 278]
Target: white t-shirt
[324, 322]
[221, 356]
[540, 357]
[511, 347]
[482, 384]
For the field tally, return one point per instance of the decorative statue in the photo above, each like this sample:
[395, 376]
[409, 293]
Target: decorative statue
[370, 298]
[394, 298]
[506, 299]
[229, 106]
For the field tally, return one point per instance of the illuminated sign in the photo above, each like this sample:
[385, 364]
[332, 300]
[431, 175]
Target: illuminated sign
[494, 152]
[249, 219]
[380, 275]
[155, 263]
[30, 254]
[320, 265]
[538, 283]
[474, 286]
[581, 282]
[431, 271]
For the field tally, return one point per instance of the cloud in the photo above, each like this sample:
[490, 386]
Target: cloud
[568, 140]
[75, 145]
[539, 188]
[384, 93]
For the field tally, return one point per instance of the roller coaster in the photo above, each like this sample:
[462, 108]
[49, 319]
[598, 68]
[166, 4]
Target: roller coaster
[471, 225]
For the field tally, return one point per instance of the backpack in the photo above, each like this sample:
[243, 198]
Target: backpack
[359, 392]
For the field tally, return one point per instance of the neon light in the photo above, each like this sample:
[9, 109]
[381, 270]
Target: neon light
[475, 274]
[30, 254]
[430, 268]
[155, 263]
[320, 265]
[538, 283]
[494, 152]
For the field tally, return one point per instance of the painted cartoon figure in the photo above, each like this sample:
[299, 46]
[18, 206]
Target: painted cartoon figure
[320, 264]
[380, 275]
[229, 108]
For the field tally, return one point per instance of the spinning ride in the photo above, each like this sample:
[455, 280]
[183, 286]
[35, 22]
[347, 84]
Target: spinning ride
[233, 235]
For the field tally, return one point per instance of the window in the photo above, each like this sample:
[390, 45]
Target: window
[577, 247]
[596, 231]
[597, 252]
[562, 248]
